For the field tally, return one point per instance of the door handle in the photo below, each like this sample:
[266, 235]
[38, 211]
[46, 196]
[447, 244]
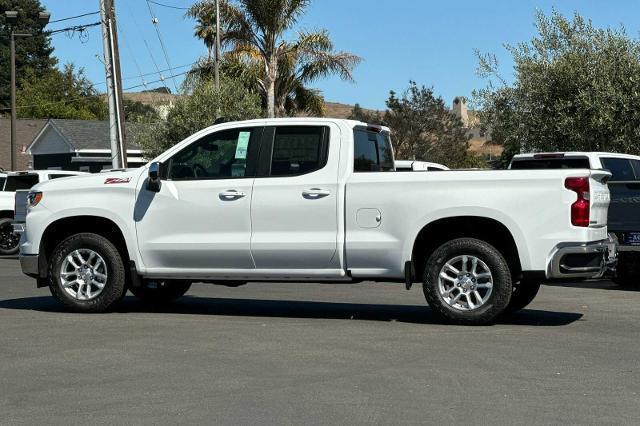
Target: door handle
[315, 193]
[232, 194]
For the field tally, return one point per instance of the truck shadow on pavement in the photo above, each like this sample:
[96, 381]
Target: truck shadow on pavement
[192, 305]
[596, 285]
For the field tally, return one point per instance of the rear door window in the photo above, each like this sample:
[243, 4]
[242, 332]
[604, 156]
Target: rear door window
[372, 152]
[20, 182]
[298, 150]
[622, 169]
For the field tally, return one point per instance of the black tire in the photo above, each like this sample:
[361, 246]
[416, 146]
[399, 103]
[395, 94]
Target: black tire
[627, 271]
[502, 288]
[523, 294]
[9, 241]
[115, 286]
[160, 292]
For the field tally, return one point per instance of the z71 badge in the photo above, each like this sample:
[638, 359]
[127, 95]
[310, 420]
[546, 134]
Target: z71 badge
[114, 181]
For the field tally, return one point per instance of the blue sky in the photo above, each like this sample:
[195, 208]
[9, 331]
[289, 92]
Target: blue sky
[431, 42]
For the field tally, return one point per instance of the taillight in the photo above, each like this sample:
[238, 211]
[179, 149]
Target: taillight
[580, 208]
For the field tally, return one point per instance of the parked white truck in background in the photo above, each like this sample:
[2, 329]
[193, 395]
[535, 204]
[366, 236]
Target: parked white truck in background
[313, 200]
[10, 182]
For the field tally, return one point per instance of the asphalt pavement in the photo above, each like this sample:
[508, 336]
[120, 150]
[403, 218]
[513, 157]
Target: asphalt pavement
[286, 353]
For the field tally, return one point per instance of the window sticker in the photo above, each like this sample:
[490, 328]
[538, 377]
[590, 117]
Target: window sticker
[243, 143]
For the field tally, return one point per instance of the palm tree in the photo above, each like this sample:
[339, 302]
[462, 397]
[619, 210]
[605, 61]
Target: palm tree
[205, 29]
[253, 31]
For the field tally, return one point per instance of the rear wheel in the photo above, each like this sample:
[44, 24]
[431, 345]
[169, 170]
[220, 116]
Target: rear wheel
[628, 270]
[87, 273]
[9, 240]
[523, 294]
[160, 292]
[468, 282]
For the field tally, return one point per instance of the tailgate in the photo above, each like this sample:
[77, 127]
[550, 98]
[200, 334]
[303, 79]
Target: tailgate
[599, 197]
[21, 206]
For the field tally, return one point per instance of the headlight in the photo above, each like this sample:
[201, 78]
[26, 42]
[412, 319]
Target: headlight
[34, 198]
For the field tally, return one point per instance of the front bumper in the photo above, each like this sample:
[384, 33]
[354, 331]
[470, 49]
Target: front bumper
[30, 264]
[583, 260]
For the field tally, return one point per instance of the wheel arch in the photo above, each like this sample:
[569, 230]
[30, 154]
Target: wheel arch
[437, 232]
[61, 228]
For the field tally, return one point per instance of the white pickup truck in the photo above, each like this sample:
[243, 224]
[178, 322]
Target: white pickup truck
[313, 200]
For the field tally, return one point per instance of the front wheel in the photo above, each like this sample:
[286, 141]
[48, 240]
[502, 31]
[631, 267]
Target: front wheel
[87, 273]
[9, 240]
[160, 292]
[468, 282]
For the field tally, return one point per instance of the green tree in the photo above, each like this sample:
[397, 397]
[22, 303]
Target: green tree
[60, 94]
[33, 54]
[205, 15]
[360, 114]
[198, 111]
[422, 128]
[254, 31]
[137, 112]
[576, 88]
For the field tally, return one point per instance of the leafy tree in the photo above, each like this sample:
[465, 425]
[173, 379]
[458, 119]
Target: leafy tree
[137, 112]
[422, 128]
[198, 111]
[60, 94]
[360, 114]
[33, 54]
[205, 15]
[576, 88]
[280, 70]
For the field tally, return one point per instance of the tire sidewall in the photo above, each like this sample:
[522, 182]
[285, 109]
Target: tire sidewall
[115, 286]
[502, 286]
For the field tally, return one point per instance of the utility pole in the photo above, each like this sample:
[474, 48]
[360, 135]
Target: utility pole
[11, 17]
[217, 57]
[114, 84]
[12, 145]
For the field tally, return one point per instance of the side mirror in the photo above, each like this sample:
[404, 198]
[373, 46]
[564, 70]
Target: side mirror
[154, 183]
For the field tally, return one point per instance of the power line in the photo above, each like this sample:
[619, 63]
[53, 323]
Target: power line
[154, 21]
[153, 60]
[80, 28]
[130, 53]
[74, 17]
[63, 101]
[156, 81]
[168, 5]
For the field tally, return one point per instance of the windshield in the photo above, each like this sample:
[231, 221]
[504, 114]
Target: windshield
[2, 179]
[18, 182]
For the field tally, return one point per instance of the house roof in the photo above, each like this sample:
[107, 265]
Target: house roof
[26, 130]
[91, 134]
